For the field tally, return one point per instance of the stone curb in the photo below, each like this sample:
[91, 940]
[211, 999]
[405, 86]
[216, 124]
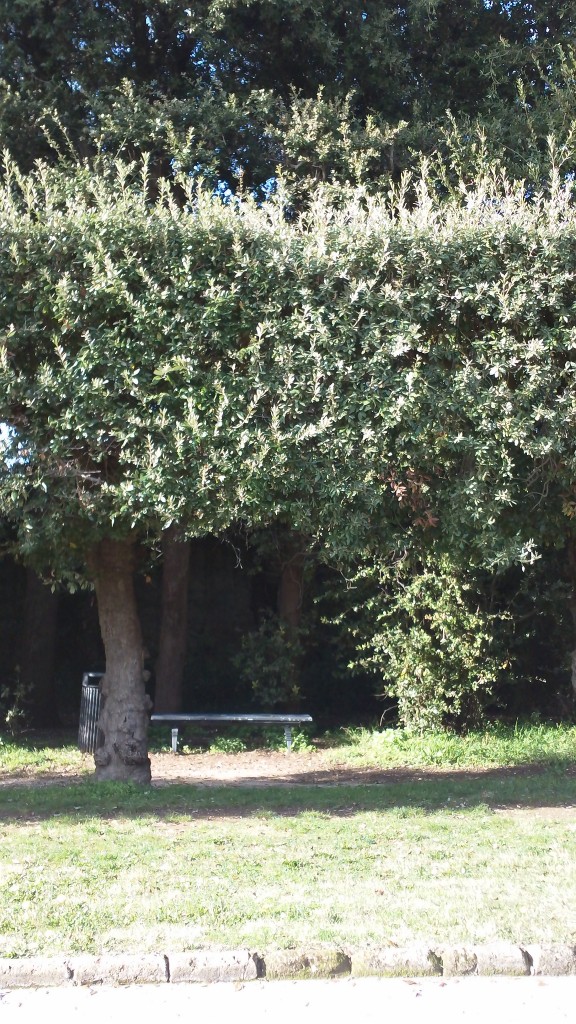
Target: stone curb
[208, 966]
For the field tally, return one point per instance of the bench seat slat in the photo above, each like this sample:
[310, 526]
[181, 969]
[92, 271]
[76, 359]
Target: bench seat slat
[258, 719]
[263, 719]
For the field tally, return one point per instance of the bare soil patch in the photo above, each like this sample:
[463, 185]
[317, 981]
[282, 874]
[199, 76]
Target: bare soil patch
[312, 768]
[290, 768]
[249, 768]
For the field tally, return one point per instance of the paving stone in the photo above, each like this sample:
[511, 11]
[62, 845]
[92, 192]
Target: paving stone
[119, 969]
[502, 958]
[314, 962]
[457, 960]
[34, 972]
[211, 965]
[416, 961]
[552, 960]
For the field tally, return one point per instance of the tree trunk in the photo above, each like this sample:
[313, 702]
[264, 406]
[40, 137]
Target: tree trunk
[289, 604]
[572, 601]
[121, 746]
[174, 622]
[291, 590]
[38, 652]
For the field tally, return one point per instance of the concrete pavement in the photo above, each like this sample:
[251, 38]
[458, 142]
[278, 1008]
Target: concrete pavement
[463, 1000]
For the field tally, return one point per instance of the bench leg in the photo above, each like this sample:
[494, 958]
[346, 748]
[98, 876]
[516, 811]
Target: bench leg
[174, 741]
[288, 735]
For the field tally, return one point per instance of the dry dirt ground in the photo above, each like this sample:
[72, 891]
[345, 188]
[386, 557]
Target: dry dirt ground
[273, 768]
[312, 768]
[284, 768]
[251, 768]
[262, 768]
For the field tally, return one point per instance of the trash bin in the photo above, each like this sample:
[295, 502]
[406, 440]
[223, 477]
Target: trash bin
[89, 711]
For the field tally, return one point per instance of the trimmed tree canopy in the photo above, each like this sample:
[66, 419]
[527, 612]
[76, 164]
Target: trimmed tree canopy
[371, 374]
[200, 362]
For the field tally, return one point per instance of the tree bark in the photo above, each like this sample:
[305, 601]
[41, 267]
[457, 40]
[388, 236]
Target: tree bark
[174, 622]
[38, 652]
[289, 604]
[572, 601]
[122, 745]
[291, 590]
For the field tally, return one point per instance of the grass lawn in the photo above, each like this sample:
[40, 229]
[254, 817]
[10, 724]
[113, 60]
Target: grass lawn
[468, 855]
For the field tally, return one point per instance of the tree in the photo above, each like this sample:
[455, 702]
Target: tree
[136, 395]
[155, 373]
[221, 87]
[174, 621]
[271, 656]
[38, 646]
[471, 291]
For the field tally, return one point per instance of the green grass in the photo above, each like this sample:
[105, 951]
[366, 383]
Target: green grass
[450, 857]
[110, 867]
[497, 745]
[41, 754]
[229, 739]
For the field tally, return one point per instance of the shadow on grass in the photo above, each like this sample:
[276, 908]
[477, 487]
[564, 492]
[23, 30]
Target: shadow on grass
[399, 791]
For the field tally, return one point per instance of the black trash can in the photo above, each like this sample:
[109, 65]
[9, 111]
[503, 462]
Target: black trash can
[89, 711]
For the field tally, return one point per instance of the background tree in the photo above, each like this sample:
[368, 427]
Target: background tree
[38, 652]
[350, 91]
[173, 640]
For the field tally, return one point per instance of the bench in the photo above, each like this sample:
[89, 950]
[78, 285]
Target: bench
[288, 721]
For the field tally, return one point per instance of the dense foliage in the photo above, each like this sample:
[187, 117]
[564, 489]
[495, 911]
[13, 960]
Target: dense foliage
[304, 267]
[350, 90]
[155, 371]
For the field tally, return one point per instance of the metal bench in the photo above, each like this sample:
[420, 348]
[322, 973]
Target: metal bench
[288, 721]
